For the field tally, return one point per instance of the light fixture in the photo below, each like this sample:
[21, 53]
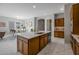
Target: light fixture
[34, 6]
[18, 17]
[62, 8]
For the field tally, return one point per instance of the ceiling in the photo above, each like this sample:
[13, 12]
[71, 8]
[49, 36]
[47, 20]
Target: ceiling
[26, 10]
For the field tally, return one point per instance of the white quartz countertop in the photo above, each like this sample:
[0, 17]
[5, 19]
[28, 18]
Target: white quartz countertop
[30, 35]
[76, 37]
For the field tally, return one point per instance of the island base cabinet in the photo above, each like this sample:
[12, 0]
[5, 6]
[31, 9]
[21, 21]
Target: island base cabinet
[25, 48]
[22, 45]
[46, 40]
[19, 45]
[43, 41]
[34, 46]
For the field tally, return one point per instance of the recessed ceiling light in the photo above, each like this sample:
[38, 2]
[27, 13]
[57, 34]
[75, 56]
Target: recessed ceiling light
[62, 9]
[18, 17]
[34, 6]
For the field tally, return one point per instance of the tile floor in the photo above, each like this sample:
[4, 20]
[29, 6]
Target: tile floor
[57, 47]
[8, 46]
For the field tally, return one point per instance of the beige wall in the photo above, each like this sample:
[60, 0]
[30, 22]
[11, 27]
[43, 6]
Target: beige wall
[67, 23]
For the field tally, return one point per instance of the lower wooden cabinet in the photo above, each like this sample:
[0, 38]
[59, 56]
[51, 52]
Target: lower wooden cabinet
[31, 46]
[43, 41]
[46, 40]
[75, 46]
[22, 45]
[25, 48]
[19, 47]
[34, 46]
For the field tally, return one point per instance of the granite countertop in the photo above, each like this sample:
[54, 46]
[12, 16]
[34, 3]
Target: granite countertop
[30, 35]
[76, 37]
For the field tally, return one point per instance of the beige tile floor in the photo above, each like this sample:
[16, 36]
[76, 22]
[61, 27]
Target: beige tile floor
[57, 47]
[8, 46]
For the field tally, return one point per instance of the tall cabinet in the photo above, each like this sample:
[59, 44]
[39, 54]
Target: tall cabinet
[75, 18]
[75, 28]
[59, 28]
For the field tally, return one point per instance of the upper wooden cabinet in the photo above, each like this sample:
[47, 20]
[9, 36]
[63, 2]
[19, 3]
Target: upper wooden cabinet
[75, 18]
[59, 22]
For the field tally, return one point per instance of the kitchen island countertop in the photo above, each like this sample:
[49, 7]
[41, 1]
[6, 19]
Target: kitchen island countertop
[30, 35]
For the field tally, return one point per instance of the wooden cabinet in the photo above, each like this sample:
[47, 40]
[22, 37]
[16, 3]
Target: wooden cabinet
[43, 41]
[59, 28]
[25, 48]
[59, 34]
[75, 18]
[20, 45]
[31, 46]
[59, 22]
[75, 46]
[34, 45]
[46, 39]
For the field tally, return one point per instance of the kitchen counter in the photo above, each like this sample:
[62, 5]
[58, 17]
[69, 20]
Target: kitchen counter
[30, 35]
[75, 44]
[76, 37]
[30, 43]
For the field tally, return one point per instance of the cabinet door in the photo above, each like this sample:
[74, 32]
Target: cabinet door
[59, 22]
[75, 8]
[42, 43]
[74, 45]
[61, 34]
[19, 45]
[25, 48]
[34, 46]
[77, 48]
[56, 33]
[46, 39]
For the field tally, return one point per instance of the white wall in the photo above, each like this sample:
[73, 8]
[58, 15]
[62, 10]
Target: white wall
[59, 15]
[8, 20]
[67, 23]
[29, 22]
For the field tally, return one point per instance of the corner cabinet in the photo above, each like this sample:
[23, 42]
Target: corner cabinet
[22, 45]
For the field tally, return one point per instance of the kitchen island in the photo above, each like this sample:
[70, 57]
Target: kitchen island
[31, 43]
